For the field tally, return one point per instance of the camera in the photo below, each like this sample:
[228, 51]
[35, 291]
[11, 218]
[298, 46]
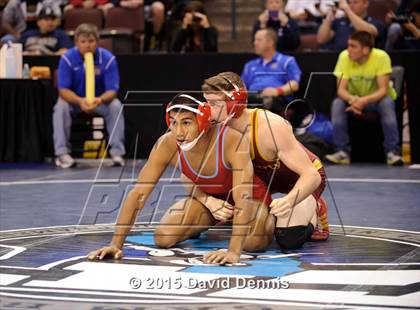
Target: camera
[402, 19]
[273, 14]
[196, 18]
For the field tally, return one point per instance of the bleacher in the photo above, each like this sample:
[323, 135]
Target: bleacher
[121, 32]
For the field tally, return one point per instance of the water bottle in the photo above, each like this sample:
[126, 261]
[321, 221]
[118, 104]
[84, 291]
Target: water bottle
[10, 62]
[26, 74]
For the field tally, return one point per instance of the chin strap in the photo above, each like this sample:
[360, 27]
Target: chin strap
[185, 147]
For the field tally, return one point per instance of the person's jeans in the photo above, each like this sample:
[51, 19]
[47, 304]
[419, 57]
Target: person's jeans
[386, 110]
[114, 120]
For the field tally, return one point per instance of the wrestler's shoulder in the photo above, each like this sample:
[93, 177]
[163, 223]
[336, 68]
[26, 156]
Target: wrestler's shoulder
[166, 141]
[268, 119]
[233, 135]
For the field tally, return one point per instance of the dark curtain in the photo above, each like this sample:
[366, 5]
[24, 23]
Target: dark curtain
[26, 119]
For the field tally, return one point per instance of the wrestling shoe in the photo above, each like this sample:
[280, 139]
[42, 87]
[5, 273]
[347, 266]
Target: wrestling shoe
[322, 229]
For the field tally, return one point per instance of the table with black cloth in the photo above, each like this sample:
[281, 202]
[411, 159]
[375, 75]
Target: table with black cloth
[26, 107]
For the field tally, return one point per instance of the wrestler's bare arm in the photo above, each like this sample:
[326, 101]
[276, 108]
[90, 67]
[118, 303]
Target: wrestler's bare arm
[163, 154]
[291, 153]
[237, 154]
[220, 209]
[239, 159]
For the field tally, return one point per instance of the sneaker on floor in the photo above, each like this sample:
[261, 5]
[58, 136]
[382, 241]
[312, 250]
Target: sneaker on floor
[65, 161]
[340, 158]
[117, 161]
[393, 159]
[322, 229]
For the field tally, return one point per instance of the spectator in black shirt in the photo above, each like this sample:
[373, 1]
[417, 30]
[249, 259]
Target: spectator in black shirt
[196, 33]
[287, 29]
[404, 32]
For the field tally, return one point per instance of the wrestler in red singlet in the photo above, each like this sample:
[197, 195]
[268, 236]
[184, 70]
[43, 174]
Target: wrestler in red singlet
[219, 185]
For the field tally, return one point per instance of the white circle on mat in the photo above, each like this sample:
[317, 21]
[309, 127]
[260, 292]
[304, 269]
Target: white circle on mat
[161, 253]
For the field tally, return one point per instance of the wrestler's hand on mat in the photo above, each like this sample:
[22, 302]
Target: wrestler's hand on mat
[280, 207]
[107, 251]
[220, 209]
[221, 257]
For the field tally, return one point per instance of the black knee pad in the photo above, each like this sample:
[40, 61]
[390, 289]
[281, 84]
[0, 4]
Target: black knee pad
[293, 237]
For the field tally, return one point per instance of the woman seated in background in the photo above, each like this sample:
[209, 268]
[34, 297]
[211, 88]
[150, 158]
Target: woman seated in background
[196, 33]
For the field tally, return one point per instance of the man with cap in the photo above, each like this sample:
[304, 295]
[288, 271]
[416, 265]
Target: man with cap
[21, 15]
[46, 39]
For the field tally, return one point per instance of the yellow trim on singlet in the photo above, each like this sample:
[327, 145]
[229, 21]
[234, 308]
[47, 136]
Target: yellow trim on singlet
[251, 134]
[317, 164]
[256, 138]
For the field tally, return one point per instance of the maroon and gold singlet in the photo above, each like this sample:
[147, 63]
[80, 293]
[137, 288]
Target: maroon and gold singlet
[278, 177]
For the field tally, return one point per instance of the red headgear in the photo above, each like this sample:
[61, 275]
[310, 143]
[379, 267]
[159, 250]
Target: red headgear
[237, 101]
[203, 111]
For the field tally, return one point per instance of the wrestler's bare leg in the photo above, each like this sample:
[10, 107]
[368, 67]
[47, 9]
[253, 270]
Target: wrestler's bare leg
[184, 219]
[262, 228]
[300, 215]
[188, 217]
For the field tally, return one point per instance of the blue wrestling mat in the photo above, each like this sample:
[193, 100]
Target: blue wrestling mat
[374, 265]
[367, 267]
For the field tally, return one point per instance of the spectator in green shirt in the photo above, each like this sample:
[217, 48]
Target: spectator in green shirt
[363, 84]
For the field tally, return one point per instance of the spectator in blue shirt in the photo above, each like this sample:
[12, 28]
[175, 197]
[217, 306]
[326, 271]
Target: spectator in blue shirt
[72, 93]
[47, 39]
[335, 32]
[273, 75]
